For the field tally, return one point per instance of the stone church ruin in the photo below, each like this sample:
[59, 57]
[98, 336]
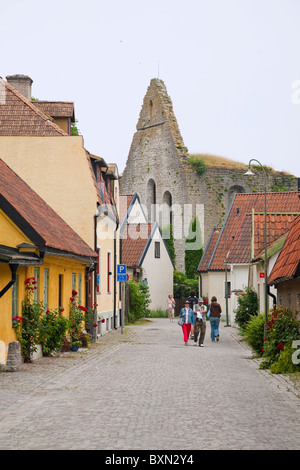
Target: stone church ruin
[174, 186]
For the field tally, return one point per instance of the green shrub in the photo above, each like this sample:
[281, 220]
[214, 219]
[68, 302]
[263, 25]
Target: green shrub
[193, 249]
[27, 326]
[183, 286]
[247, 307]
[284, 363]
[282, 330]
[254, 333]
[167, 234]
[53, 328]
[139, 300]
[198, 164]
[158, 313]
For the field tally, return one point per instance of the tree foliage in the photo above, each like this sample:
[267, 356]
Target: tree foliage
[193, 249]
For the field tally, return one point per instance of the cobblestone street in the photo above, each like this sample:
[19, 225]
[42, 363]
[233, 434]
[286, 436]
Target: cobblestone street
[145, 390]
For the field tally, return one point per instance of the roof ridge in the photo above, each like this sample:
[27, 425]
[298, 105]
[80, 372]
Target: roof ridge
[35, 109]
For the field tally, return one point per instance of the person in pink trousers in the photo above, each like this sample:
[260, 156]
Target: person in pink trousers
[187, 314]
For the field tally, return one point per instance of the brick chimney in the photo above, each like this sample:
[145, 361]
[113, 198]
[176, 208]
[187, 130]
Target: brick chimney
[21, 83]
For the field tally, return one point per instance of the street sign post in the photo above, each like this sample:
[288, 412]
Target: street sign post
[121, 268]
[122, 277]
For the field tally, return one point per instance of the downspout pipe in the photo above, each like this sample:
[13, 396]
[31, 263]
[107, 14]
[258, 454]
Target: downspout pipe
[200, 285]
[95, 280]
[13, 268]
[115, 273]
[273, 296]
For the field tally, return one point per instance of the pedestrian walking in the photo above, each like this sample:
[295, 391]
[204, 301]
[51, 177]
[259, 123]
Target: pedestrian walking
[170, 307]
[187, 315]
[214, 318]
[193, 299]
[200, 322]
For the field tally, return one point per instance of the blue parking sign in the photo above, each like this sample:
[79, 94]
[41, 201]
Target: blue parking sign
[121, 268]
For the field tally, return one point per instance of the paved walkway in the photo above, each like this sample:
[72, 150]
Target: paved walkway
[146, 390]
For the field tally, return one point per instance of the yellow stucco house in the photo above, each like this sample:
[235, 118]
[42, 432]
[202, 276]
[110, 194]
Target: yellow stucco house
[35, 242]
[36, 142]
[107, 292]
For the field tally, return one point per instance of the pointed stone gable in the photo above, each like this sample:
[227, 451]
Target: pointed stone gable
[154, 168]
[157, 110]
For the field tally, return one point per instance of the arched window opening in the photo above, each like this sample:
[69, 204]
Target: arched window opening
[151, 200]
[236, 189]
[167, 209]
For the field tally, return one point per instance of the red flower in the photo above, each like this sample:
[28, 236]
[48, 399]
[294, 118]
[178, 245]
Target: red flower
[103, 320]
[281, 345]
[74, 292]
[84, 309]
[95, 325]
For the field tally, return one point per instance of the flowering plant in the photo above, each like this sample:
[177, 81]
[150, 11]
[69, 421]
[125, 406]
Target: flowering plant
[27, 326]
[52, 330]
[282, 330]
[77, 318]
[16, 321]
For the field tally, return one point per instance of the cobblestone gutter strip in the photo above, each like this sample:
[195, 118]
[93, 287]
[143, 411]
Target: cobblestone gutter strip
[281, 380]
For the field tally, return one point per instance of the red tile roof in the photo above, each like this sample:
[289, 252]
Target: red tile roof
[252, 230]
[277, 226]
[240, 247]
[134, 244]
[205, 260]
[56, 109]
[18, 116]
[43, 220]
[241, 205]
[287, 265]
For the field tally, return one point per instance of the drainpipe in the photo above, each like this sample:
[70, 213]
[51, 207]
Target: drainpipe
[95, 280]
[273, 296]
[13, 268]
[200, 285]
[115, 273]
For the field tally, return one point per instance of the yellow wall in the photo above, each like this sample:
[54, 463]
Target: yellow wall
[56, 266]
[58, 170]
[105, 242]
[10, 234]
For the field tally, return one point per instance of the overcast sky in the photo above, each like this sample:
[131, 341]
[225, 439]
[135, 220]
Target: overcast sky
[231, 68]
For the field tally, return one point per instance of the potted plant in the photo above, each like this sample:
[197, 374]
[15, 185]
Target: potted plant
[75, 345]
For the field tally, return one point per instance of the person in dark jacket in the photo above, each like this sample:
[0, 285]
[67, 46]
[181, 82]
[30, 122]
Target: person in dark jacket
[214, 319]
